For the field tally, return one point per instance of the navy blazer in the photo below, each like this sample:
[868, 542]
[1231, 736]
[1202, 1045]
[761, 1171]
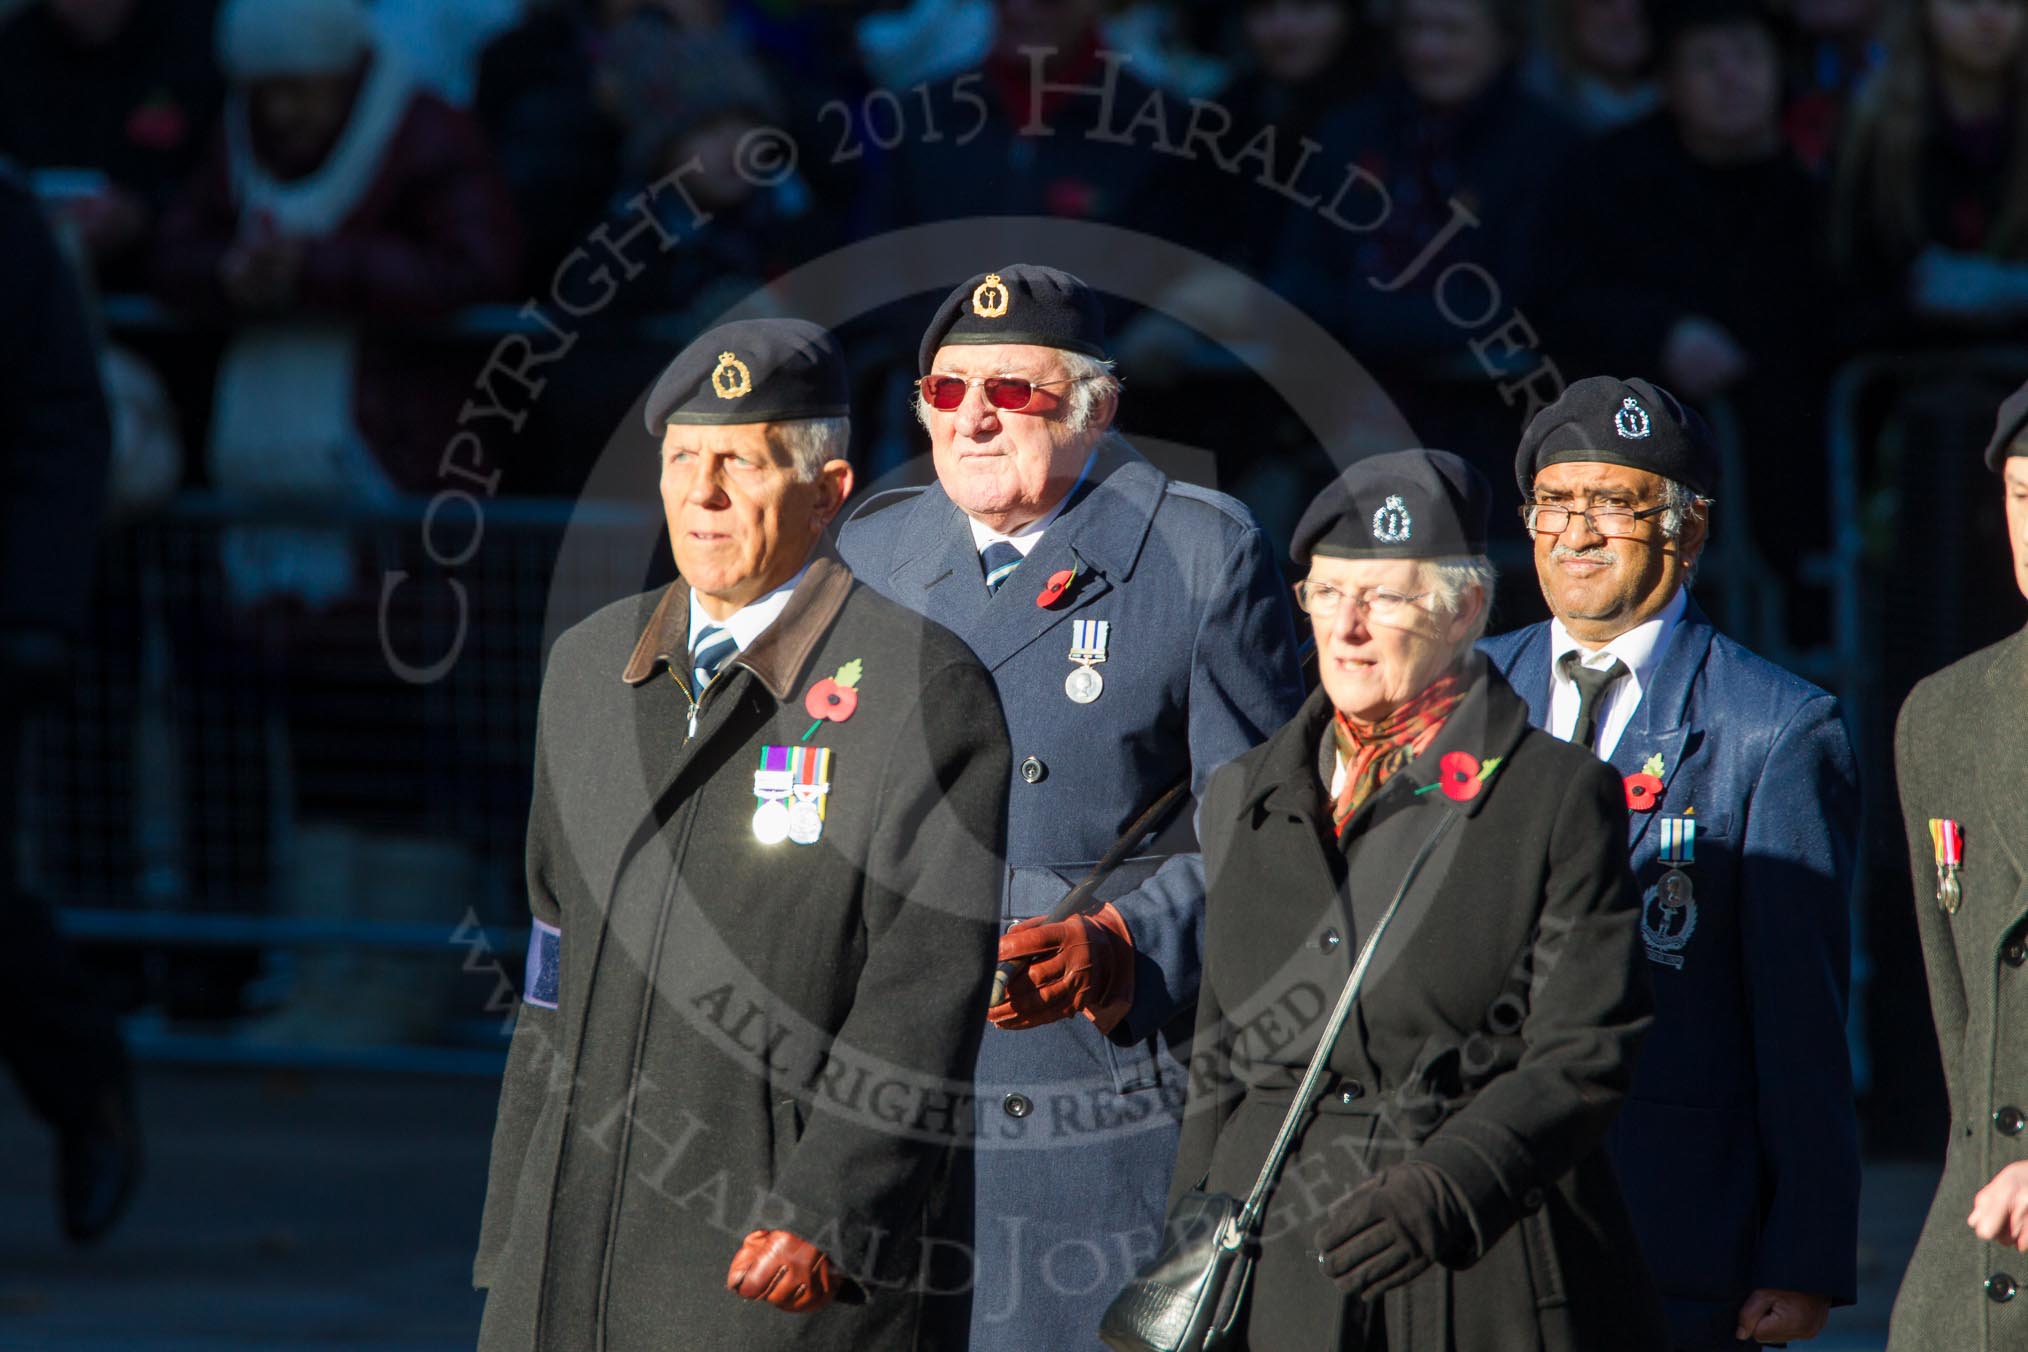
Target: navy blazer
[1738, 1150]
[1077, 1130]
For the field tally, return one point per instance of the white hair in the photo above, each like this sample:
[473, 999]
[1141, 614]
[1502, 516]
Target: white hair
[1093, 385]
[1452, 580]
[811, 442]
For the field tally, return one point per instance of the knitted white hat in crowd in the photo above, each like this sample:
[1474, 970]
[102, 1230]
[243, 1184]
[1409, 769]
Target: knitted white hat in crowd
[266, 39]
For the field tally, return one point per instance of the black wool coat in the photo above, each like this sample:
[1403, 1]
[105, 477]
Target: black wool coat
[744, 1035]
[1494, 1040]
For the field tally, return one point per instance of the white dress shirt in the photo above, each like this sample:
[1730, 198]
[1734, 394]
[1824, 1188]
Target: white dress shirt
[1641, 648]
[745, 624]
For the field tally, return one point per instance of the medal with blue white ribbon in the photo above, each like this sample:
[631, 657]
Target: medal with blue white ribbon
[791, 789]
[1679, 851]
[1087, 648]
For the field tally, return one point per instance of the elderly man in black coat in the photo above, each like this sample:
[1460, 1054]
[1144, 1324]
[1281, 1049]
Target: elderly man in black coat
[762, 861]
[1449, 1190]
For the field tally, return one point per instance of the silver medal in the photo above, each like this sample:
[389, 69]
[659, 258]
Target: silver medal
[771, 822]
[1676, 890]
[1084, 685]
[1948, 893]
[806, 823]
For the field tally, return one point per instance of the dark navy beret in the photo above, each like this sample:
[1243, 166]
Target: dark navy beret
[1620, 422]
[2012, 423]
[752, 371]
[1023, 303]
[1402, 505]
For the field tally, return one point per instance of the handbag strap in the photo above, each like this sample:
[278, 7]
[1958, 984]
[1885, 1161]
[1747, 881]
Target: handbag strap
[1243, 1224]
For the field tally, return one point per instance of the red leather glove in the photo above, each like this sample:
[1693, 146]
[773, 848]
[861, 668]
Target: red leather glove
[1081, 965]
[784, 1270]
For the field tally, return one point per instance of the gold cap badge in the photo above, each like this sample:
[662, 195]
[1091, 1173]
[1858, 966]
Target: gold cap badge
[989, 298]
[730, 379]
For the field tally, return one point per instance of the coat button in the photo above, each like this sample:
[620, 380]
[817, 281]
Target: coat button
[1351, 1093]
[2015, 953]
[1033, 770]
[2000, 1288]
[1327, 942]
[2009, 1121]
[1016, 1105]
[1531, 1201]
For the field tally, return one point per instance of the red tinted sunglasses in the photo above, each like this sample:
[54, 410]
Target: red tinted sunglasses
[1008, 392]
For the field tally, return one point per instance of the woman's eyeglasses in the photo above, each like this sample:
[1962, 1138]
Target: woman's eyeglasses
[1008, 392]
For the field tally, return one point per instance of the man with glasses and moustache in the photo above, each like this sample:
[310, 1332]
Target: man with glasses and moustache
[1139, 634]
[1738, 1147]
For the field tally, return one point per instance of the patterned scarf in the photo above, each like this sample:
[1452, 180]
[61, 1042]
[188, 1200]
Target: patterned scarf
[1374, 751]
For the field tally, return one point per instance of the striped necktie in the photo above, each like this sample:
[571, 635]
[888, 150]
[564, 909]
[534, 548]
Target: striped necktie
[715, 647]
[999, 559]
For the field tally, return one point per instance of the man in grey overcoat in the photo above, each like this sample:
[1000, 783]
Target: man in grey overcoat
[1957, 753]
[762, 861]
[1139, 634]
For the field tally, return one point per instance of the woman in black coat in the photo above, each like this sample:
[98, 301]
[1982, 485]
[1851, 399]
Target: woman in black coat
[1448, 1192]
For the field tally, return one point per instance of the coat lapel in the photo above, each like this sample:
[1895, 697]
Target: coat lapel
[1999, 783]
[1660, 725]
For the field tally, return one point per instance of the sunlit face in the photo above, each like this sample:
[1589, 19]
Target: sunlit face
[1450, 49]
[1006, 467]
[1295, 40]
[1370, 667]
[741, 522]
[1599, 587]
[1980, 37]
[1724, 85]
[1611, 36]
[2015, 477]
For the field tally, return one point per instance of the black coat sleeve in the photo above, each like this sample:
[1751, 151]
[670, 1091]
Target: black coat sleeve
[56, 441]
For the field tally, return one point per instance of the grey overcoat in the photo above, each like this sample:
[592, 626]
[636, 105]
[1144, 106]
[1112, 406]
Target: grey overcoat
[744, 1035]
[1958, 752]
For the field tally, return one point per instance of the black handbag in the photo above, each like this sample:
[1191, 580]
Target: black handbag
[1188, 1298]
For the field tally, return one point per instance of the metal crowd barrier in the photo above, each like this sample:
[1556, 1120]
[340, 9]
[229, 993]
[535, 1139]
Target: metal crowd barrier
[165, 796]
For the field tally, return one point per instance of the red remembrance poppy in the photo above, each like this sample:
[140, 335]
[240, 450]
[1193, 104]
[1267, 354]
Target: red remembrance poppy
[1052, 592]
[1644, 792]
[828, 699]
[1458, 772]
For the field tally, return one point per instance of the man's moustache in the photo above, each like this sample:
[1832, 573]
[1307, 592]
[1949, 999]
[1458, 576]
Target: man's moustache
[1596, 554]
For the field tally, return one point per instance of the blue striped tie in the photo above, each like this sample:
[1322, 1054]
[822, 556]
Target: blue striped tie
[999, 559]
[715, 647]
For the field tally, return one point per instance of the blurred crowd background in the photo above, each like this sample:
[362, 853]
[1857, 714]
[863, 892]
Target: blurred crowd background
[284, 753]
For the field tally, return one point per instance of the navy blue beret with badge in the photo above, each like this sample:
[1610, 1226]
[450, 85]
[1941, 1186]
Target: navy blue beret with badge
[2012, 423]
[1022, 303]
[1402, 505]
[752, 371]
[1620, 422]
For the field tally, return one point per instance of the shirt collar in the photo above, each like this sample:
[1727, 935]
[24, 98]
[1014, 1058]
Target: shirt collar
[1641, 647]
[746, 623]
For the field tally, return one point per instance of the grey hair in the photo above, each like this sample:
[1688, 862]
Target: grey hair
[1683, 505]
[1092, 384]
[1450, 580]
[811, 442]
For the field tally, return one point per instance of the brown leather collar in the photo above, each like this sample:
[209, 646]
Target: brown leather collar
[782, 651]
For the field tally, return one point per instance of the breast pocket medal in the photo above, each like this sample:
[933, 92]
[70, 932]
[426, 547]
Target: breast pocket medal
[1949, 839]
[1670, 916]
[1087, 649]
[791, 788]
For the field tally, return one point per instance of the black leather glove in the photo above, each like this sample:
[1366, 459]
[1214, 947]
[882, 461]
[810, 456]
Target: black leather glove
[1390, 1230]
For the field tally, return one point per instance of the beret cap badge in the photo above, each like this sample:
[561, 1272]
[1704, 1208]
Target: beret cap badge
[1392, 524]
[990, 297]
[1632, 420]
[731, 379]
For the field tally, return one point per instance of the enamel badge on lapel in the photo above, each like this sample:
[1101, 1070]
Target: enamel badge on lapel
[791, 787]
[1087, 649]
[1949, 839]
[1669, 916]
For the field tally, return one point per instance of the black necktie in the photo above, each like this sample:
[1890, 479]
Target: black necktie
[1591, 687]
[999, 560]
